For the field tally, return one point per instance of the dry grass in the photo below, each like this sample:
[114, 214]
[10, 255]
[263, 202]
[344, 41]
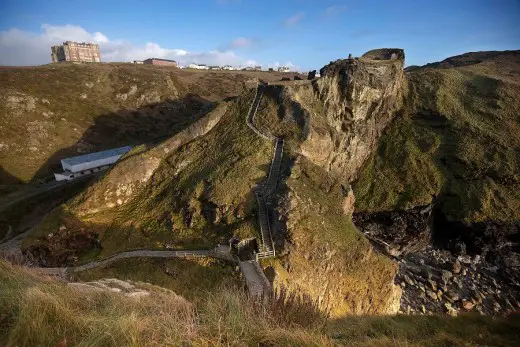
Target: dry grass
[35, 311]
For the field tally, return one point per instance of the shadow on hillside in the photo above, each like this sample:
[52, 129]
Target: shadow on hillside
[425, 330]
[8, 182]
[152, 123]
[62, 239]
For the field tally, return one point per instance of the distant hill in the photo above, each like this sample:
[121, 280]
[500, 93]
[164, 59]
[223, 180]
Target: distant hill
[471, 58]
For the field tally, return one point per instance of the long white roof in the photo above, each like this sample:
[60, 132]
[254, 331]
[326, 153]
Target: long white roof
[85, 158]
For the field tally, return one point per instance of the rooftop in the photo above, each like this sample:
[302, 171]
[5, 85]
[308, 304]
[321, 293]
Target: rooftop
[96, 156]
[171, 61]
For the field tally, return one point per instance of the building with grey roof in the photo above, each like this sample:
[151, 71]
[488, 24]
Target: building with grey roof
[85, 164]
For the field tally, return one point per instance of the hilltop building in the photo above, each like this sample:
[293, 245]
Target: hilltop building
[76, 51]
[162, 62]
[86, 164]
[198, 66]
[284, 69]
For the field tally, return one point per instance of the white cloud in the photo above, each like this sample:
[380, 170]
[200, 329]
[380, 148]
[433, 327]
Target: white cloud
[294, 19]
[334, 10]
[24, 48]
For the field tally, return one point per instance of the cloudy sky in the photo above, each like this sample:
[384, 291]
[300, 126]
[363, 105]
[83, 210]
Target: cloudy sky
[302, 33]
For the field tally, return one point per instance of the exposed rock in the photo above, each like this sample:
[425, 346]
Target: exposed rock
[402, 231]
[476, 286]
[450, 310]
[348, 202]
[124, 96]
[127, 288]
[19, 102]
[432, 295]
[384, 54]
[456, 267]
[468, 305]
[446, 275]
[360, 98]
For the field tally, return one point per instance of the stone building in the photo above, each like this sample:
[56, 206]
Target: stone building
[76, 51]
[158, 61]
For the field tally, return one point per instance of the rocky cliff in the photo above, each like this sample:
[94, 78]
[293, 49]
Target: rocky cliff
[360, 97]
[454, 152]
[332, 125]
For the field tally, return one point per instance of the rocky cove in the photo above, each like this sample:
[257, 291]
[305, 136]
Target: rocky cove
[448, 267]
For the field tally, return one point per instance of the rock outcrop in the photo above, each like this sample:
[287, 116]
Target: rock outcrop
[333, 125]
[360, 97]
[397, 232]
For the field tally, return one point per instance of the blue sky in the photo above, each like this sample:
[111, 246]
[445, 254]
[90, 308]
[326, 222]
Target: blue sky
[303, 33]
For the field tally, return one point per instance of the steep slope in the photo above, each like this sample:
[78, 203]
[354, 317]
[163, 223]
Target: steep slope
[331, 126]
[457, 143]
[191, 191]
[196, 188]
[448, 172]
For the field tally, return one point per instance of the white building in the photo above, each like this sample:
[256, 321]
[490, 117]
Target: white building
[88, 163]
[284, 69]
[198, 66]
[228, 67]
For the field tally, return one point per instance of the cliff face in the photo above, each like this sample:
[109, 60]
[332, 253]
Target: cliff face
[332, 125]
[360, 97]
[455, 152]
[325, 257]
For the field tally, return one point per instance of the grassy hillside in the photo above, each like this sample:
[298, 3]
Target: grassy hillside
[199, 195]
[71, 316]
[457, 142]
[53, 111]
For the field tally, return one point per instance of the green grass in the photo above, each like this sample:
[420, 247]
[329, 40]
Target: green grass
[213, 174]
[457, 140]
[191, 278]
